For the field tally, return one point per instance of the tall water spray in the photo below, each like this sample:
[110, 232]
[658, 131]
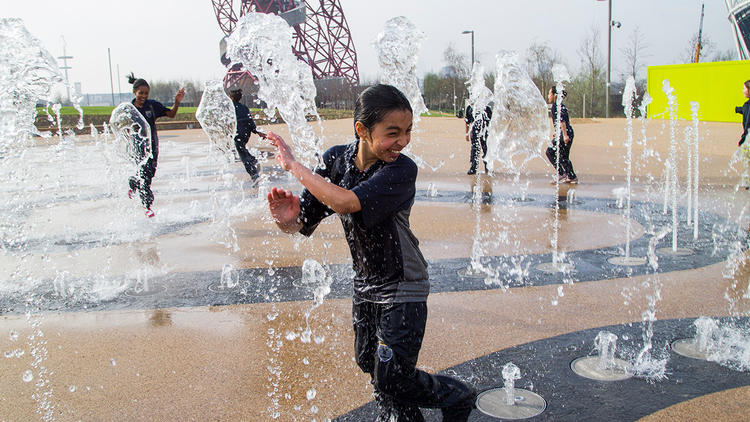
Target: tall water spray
[479, 99]
[132, 135]
[560, 75]
[262, 43]
[218, 120]
[694, 106]
[28, 73]
[520, 124]
[398, 51]
[671, 183]
[628, 96]
[647, 364]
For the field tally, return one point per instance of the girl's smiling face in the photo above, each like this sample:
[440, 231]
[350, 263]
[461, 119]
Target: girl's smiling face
[141, 95]
[388, 137]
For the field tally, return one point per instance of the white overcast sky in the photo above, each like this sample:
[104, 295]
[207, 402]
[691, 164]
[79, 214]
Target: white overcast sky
[178, 39]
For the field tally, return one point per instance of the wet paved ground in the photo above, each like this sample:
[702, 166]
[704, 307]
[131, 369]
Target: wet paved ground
[127, 318]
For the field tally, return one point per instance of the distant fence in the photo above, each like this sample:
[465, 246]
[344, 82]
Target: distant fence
[715, 86]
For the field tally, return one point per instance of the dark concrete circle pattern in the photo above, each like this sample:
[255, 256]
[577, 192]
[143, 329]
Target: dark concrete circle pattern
[256, 285]
[545, 369]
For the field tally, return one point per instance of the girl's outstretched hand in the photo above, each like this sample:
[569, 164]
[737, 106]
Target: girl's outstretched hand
[285, 156]
[284, 207]
[180, 95]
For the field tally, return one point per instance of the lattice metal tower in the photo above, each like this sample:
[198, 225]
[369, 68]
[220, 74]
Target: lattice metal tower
[739, 18]
[321, 35]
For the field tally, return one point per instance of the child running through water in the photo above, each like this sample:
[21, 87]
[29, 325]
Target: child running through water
[371, 188]
[744, 110]
[150, 110]
[565, 173]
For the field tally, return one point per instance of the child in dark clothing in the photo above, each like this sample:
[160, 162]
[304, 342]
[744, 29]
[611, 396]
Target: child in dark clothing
[371, 185]
[477, 127]
[565, 173]
[245, 126]
[744, 110]
[151, 110]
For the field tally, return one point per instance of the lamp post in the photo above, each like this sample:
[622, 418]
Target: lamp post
[610, 24]
[472, 45]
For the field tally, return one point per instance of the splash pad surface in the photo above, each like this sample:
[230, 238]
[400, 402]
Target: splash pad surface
[187, 339]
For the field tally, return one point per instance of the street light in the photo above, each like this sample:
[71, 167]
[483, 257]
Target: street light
[472, 46]
[610, 24]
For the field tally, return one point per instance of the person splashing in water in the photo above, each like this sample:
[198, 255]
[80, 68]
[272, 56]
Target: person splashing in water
[370, 184]
[565, 173]
[151, 110]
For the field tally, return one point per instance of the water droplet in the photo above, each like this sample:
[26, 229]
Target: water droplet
[314, 409]
[311, 393]
[27, 376]
[113, 362]
[306, 361]
[13, 335]
[72, 388]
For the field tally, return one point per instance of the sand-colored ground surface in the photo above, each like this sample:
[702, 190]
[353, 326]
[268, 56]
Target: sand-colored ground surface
[246, 362]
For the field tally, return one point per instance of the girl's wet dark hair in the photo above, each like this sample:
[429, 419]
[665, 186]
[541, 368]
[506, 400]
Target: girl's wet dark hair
[747, 84]
[564, 92]
[375, 102]
[137, 82]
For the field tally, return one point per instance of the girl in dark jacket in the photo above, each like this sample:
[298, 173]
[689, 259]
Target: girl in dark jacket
[565, 173]
[370, 184]
[151, 110]
[744, 110]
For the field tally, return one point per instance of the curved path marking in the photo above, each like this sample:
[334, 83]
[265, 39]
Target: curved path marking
[545, 369]
[256, 285]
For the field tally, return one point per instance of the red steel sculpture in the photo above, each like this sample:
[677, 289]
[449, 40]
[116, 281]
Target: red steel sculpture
[321, 35]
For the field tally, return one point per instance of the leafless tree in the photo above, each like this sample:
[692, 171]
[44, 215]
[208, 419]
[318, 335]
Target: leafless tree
[539, 61]
[634, 53]
[164, 91]
[707, 46]
[489, 79]
[725, 56]
[457, 62]
[457, 71]
[592, 73]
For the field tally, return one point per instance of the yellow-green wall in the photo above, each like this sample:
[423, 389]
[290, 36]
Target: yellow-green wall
[715, 86]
